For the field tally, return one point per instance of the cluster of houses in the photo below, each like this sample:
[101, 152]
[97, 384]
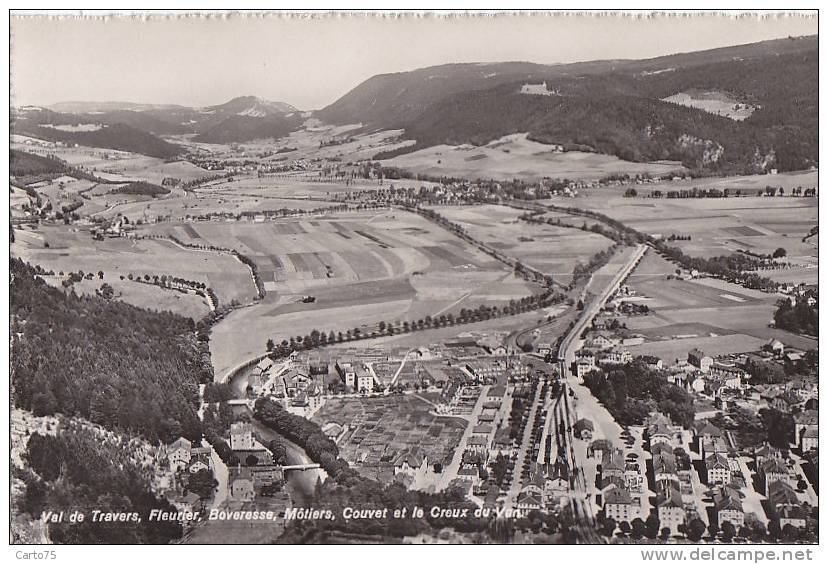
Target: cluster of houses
[481, 444]
[254, 473]
[800, 291]
[182, 456]
[297, 385]
[624, 477]
[184, 460]
[548, 486]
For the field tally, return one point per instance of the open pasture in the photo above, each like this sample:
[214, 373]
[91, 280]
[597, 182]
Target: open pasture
[515, 156]
[304, 184]
[551, 249]
[714, 102]
[676, 349]
[71, 249]
[315, 142]
[716, 226]
[380, 428]
[111, 164]
[704, 312]
[180, 205]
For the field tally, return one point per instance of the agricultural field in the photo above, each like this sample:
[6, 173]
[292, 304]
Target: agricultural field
[379, 428]
[515, 156]
[361, 268]
[69, 249]
[303, 185]
[713, 315]
[716, 226]
[314, 141]
[551, 249]
[180, 205]
[118, 166]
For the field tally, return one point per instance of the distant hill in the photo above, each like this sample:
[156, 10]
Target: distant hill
[389, 100]
[103, 107]
[241, 119]
[241, 128]
[252, 106]
[69, 128]
[612, 107]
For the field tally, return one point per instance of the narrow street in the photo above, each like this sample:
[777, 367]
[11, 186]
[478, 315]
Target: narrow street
[450, 473]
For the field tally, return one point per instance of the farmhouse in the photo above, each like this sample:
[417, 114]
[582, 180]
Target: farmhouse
[775, 347]
[544, 349]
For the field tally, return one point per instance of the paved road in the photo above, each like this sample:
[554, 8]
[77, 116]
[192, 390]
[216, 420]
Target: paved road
[221, 474]
[571, 342]
[450, 472]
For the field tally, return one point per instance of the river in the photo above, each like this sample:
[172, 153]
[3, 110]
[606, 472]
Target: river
[300, 483]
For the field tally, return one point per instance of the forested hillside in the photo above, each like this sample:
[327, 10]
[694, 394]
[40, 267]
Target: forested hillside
[109, 362]
[119, 136]
[82, 469]
[613, 107]
[27, 164]
[240, 128]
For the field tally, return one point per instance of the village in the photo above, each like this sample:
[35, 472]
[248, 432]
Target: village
[479, 416]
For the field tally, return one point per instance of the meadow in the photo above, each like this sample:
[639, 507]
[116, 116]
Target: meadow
[551, 249]
[715, 226]
[140, 294]
[515, 156]
[719, 103]
[70, 249]
[716, 316]
[118, 166]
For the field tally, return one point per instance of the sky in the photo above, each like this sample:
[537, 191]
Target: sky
[310, 61]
